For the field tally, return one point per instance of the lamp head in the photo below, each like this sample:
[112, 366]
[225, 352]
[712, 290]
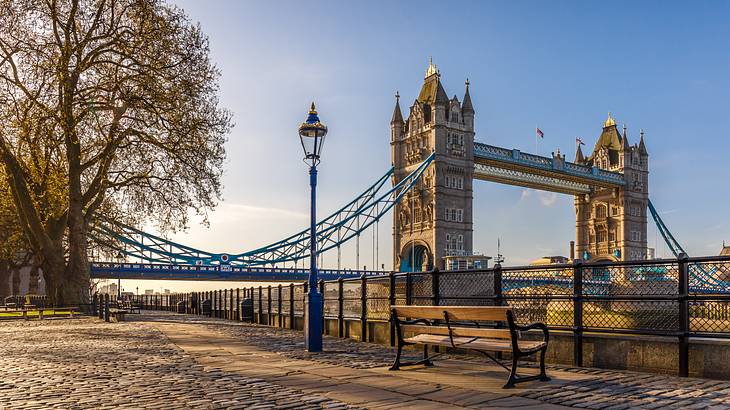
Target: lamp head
[311, 134]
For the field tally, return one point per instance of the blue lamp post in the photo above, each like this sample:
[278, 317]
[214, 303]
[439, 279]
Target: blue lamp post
[312, 133]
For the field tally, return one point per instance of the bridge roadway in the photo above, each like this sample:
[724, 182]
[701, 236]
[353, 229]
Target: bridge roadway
[155, 271]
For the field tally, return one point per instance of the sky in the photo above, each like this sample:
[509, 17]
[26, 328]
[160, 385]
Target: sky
[562, 65]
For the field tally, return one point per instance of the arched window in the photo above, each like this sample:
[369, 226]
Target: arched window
[600, 211]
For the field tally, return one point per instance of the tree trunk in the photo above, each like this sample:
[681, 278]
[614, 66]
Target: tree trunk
[4, 280]
[33, 277]
[15, 270]
[53, 268]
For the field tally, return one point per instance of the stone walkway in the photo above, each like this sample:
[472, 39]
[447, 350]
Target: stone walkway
[164, 360]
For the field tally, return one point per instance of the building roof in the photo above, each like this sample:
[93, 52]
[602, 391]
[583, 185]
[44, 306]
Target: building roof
[432, 92]
[579, 157]
[397, 116]
[725, 250]
[466, 107]
[610, 139]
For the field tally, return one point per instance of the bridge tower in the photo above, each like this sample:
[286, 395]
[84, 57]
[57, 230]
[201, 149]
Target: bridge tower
[434, 219]
[611, 223]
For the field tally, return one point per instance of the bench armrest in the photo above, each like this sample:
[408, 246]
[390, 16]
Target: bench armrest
[536, 325]
[415, 321]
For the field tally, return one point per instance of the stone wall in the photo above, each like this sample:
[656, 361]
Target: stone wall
[656, 354]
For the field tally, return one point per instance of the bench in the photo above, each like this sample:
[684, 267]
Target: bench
[117, 314]
[131, 307]
[54, 312]
[458, 327]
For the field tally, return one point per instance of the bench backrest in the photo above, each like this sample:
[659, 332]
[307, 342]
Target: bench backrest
[472, 313]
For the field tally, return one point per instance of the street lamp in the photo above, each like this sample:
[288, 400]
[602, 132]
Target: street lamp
[312, 133]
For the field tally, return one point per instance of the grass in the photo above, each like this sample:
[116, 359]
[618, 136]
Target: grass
[34, 313]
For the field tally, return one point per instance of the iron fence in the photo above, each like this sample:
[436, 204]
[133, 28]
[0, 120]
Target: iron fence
[682, 298]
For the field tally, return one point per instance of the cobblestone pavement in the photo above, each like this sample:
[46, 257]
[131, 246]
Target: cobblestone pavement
[86, 363]
[600, 389]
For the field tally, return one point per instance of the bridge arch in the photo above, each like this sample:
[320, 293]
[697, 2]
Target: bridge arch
[416, 256]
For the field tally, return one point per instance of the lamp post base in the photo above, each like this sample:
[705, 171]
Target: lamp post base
[313, 322]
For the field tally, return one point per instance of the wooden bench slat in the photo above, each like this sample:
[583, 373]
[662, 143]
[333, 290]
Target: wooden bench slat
[485, 313]
[458, 331]
[470, 343]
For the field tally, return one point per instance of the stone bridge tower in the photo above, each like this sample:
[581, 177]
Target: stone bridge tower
[611, 223]
[434, 219]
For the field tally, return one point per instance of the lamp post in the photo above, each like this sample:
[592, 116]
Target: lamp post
[311, 134]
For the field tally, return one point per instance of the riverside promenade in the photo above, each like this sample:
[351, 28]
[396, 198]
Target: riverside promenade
[164, 360]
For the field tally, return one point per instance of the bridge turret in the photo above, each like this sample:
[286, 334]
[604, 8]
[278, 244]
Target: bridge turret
[611, 223]
[435, 219]
[397, 129]
[467, 109]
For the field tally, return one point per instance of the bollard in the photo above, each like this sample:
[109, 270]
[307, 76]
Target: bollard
[106, 307]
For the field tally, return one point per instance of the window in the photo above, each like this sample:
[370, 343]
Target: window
[454, 139]
[600, 211]
[612, 236]
[636, 236]
[635, 210]
[455, 182]
[601, 236]
[454, 243]
[454, 215]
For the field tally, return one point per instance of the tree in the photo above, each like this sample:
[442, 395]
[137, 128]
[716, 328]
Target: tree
[15, 251]
[117, 101]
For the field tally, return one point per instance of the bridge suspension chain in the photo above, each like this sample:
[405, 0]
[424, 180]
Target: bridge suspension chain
[339, 227]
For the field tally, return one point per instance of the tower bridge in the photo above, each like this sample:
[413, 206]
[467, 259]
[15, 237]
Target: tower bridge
[435, 218]
[435, 162]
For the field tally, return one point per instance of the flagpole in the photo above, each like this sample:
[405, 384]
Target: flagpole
[536, 140]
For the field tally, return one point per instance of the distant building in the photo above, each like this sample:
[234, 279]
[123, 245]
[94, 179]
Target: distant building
[725, 250]
[550, 260]
[149, 292]
[466, 262]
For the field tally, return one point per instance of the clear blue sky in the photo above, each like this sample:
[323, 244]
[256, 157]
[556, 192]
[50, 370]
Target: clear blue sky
[658, 65]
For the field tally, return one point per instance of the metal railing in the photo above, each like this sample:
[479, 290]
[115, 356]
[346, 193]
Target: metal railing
[680, 298]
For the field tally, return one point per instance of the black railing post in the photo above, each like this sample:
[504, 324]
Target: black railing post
[304, 299]
[94, 304]
[435, 286]
[578, 313]
[278, 308]
[100, 299]
[683, 298]
[391, 302]
[268, 307]
[106, 307]
[292, 318]
[340, 308]
[363, 308]
[321, 292]
[409, 288]
[231, 306]
[497, 283]
[261, 305]
[238, 304]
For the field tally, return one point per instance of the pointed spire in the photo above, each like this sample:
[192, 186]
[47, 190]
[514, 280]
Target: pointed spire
[609, 121]
[579, 157]
[466, 107]
[397, 116]
[625, 140]
[431, 70]
[642, 146]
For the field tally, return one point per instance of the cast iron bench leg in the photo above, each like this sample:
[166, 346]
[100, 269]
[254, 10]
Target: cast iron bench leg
[396, 363]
